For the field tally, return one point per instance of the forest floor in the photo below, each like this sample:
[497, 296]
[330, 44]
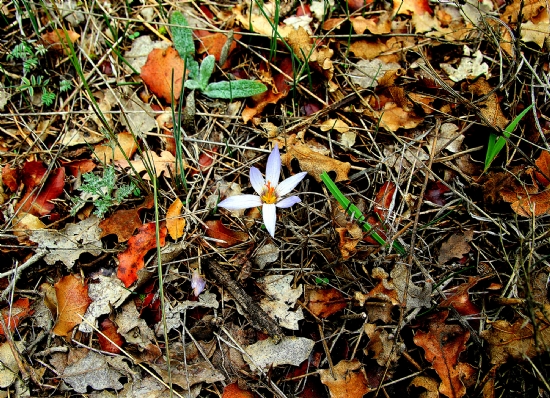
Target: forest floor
[415, 262]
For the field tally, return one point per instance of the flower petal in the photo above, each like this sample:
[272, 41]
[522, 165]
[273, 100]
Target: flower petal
[239, 202]
[273, 168]
[290, 183]
[270, 217]
[287, 202]
[257, 180]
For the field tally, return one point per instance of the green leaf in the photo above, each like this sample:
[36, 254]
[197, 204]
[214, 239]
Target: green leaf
[183, 37]
[352, 210]
[234, 89]
[193, 67]
[206, 69]
[496, 143]
[192, 84]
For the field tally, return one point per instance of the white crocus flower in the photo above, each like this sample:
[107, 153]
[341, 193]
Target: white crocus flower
[269, 190]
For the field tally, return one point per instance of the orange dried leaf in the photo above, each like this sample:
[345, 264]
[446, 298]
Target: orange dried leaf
[349, 380]
[350, 236]
[123, 223]
[543, 163]
[383, 199]
[126, 141]
[72, 302]
[110, 330]
[213, 44]
[158, 71]
[132, 260]
[411, 7]
[325, 302]
[10, 177]
[460, 300]
[13, 315]
[442, 345]
[217, 230]
[78, 167]
[528, 204]
[165, 163]
[174, 220]
[57, 40]
[234, 391]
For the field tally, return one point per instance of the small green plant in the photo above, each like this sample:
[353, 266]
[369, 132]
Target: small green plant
[65, 85]
[199, 75]
[28, 54]
[496, 143]
[99, 190]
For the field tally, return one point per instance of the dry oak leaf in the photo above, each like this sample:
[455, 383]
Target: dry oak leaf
[187, 375]
[455, 247]
[72, 302]
[517, 340]
[165, 163]
[427, 383]
[123, 223]
[393, 117]
[57, 40]
[349, 380]
[526, 202]
[225, 236]
[312, 161]
[24, 224]
[490, 107]
[325, 302]
[131, 260]
[317, 57]
[174, 220]
[161, 67]
[19, 310]
[386, 350]
[529, 9]
[350, 236]
[213, 44]
[368, 49]
[442, 345]
[124, 150]
[260, 24]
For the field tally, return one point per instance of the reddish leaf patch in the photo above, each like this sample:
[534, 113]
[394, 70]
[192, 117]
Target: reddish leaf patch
[109, 329]
[72, 302]
[158, 71]
[13, 315]
[38, 202]
[325, 302]
[217, 230]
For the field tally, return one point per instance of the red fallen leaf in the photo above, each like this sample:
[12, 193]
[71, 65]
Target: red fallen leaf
[281, 89]
[109, 329]
[14, 314]
[376, 226]
[325, 302]
[234, 391]
[213, 44]
[303, 10]
[217, 230]
[38, 202]
[123, 223]
[383, 199]
[72, 303]
[205, 160]
[32, 174]
[131, 260]
[442, 345]
[543, 163]
[460, 300]
[410, 7]
[435, 193]
[78, 167]
[158, 70]
[355, 5]
[10, 177]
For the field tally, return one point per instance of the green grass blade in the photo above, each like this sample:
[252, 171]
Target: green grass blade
[352, 210]
[496, 143]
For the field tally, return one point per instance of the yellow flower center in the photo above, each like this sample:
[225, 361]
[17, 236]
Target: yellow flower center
[268, 194]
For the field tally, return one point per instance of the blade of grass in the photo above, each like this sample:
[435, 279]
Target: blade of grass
[496, 144]
[352, 210]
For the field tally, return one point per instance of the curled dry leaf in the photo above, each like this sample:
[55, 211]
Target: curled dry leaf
[350, 236]
[76, 168]
[349, 380]
[455, 247]
[386, 350]
[132, 260]
[313, 161]
[442, 345]
[460, 299]
[109, 329]
[543, 163]
[57, 40]
[174, 220]
[72, 302]
[325, 302]
[161, 69]
[226, 236]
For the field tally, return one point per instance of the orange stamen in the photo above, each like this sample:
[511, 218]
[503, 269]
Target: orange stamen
[268, 195]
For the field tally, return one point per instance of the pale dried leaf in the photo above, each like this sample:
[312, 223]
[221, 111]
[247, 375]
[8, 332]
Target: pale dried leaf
[289, 351]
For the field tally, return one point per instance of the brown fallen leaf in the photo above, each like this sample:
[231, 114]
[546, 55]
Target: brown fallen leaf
[109, 329]
[460, 299]
[234, 391]
[543, 163]
[386, 350]
[123, 223]
[526, 201]
[57, 40]
[165, 163]
[318, 57]
[163, 67]
[15, 313]
[10, 177]
[517, 340]
[442, 345]
[350, 236]
[490, 107]
[349, 380]
[455, 247]
[38, 202]
[312, 161]
[217, 230]
[325, 302]
[174, 220]
[72, 302]
[427, 383]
